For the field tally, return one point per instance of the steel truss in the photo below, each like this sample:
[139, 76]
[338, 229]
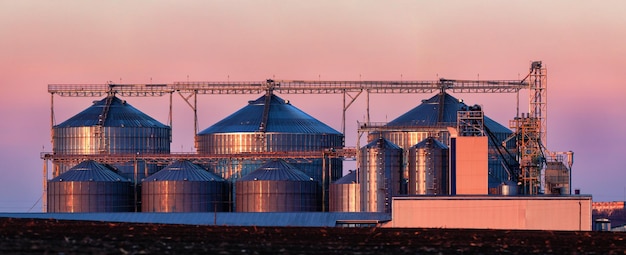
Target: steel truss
[350, 90]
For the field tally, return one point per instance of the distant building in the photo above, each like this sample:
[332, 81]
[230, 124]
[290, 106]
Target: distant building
[607, 206]
[613, 211]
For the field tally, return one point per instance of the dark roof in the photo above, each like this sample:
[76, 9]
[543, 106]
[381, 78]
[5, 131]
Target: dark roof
[276, 170]
[282, 118]
[427, 114]
[183, 170]
[430, 142]
[279, 219]
[382, 143]
[119, 114]
[347, 179]
[89, 171]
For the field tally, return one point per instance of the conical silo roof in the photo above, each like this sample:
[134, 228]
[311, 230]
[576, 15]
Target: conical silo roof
[439, 110]
[382, 143]
[276, 170]
[347, 179]
[89, 171]
[282, 118]
[118, 114]
[430, 142]
[183, 170]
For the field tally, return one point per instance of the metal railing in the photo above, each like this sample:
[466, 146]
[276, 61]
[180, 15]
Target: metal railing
[288, 87]
[348, 152]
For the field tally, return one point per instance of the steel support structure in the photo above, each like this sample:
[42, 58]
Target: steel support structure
[538, 99]
[530, 154]
[470, 122]
[535, 82]
[187, 90]
[164, 159]
[44, 199]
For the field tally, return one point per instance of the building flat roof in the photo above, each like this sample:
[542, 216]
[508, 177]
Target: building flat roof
[283, 219]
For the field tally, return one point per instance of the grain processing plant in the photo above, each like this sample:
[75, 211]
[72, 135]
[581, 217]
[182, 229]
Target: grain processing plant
[441, 164]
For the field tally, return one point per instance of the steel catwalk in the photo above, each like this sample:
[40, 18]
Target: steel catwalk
[277, 187]
[428, 168]
[345, 194]
[380, 175]
[89, 187]
[184, 187]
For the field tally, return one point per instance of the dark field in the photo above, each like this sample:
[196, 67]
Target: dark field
[27, 236]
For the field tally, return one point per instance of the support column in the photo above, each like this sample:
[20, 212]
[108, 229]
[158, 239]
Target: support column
[44, 199]
[324, 177]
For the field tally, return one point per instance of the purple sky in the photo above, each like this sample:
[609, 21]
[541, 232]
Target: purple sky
[580, 42]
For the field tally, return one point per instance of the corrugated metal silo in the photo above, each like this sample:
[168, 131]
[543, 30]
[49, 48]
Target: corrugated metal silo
[183, 187]
[269, 124]
[508, 188]
[432, 118]
[428, 168]
[112, 126]
[89, 187]
[345, 194]
[277, 187]
[380, 175]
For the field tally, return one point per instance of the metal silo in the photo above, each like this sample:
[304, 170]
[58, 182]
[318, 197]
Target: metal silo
[379, 175]
[111, 126]
[270, 124]
[432, 118]
[183, 187]
[508, 188]
[277, 187]
[345, 194]
[428, 168]
[89, 187]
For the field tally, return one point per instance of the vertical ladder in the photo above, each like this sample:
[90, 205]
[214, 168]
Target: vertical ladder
[102, 143]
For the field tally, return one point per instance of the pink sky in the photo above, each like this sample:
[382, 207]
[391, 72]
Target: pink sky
[581, 43]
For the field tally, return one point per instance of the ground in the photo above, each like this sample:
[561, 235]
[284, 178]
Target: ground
[30, 236]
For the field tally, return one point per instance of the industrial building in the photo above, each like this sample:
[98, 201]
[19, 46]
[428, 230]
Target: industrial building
[425, 168]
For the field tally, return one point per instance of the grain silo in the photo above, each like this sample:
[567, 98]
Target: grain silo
[111, 126]
[269, 124]
[433, 117]
[89, 187]
[345, 194]
[184, 187]
[380, 175]
[277, 187]
[428, 168]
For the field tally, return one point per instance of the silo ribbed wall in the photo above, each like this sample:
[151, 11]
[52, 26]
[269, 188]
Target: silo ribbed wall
[184, 187]
[233, 143]
[230, 143]
[276, 196]
[345, 194]
[183, 196]
[89, 196]
[380, 175]
[428, 168]
[114, 140]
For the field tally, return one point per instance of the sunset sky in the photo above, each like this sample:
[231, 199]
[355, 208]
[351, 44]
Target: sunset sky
[582, 43]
